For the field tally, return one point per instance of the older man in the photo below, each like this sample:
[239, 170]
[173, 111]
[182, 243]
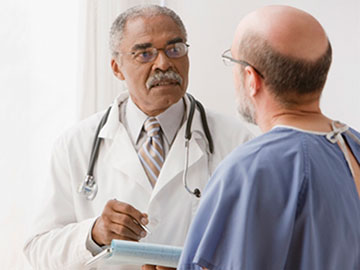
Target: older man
[140, 165]
[288, 199]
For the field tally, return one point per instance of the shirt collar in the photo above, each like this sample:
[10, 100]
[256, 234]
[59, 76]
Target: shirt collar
[170, 120]
[135, 119]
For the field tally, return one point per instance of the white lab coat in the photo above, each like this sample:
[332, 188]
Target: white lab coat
[58, 240]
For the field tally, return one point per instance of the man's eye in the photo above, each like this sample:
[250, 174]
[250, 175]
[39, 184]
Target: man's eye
[144, 55]
[173, 51]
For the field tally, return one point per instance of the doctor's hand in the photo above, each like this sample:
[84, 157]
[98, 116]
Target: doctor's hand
[118, 220]
[155, 267]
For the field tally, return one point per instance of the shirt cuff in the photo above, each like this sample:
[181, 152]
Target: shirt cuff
[91, 245]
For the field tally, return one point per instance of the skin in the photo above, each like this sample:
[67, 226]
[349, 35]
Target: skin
[156, 31]
[117, 220]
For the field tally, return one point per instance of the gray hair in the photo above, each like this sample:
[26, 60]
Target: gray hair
[118, 26]
[287, 77]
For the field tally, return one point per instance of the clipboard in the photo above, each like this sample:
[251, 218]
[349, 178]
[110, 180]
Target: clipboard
[132, 255]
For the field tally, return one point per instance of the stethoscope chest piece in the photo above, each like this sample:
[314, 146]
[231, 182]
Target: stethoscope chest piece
[88, 188]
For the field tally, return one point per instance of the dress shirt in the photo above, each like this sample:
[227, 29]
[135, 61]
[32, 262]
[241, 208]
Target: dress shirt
[170, 121]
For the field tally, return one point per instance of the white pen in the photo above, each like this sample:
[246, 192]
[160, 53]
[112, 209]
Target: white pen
[142, 226]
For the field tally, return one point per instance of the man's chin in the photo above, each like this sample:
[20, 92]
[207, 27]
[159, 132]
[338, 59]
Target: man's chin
[246, 116]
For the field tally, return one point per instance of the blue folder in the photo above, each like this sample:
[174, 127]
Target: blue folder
[137, 253]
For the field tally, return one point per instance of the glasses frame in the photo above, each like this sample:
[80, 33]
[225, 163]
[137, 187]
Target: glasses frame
[244, 63]
[133, 54]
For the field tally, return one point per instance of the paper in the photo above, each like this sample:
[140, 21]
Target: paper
[138, 253]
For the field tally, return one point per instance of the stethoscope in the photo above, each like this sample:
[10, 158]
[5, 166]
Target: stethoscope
[89, 188]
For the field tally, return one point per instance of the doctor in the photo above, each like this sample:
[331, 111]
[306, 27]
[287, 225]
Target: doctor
[138, 171]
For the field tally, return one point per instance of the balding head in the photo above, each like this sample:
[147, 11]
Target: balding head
[289, 31]
[289, 47]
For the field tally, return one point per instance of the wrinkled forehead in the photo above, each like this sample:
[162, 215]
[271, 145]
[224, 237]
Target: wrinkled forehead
[149, 29]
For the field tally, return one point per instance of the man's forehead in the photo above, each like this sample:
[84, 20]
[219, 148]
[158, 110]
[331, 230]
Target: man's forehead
[143, 27]
[140, 46]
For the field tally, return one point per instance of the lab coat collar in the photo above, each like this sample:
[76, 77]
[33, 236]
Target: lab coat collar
[113, 123]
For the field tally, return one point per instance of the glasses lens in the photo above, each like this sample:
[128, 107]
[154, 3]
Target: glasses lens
[227, 59]
[227, 62]
[176, 50]
[145, 56]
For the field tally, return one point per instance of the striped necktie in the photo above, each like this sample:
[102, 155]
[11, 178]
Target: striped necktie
[151, 153]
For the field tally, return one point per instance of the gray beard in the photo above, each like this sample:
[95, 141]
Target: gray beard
[246, 110]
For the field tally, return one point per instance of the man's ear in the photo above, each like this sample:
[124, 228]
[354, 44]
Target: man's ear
[116, 69]
[254, 81]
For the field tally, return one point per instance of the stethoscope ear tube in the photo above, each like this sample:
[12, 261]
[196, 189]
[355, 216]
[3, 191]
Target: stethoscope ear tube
[190, 118]
[89, 186]
[96, 143]
[205, 126]
[193, 103]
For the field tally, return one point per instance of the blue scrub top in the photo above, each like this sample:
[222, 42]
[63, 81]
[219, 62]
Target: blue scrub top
[285, 200]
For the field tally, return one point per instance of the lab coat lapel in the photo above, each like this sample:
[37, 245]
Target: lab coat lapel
[122, 156]
[121, 153]
[174, 161]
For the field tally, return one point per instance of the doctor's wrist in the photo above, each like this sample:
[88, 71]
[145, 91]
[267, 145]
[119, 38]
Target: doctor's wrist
[91, 245]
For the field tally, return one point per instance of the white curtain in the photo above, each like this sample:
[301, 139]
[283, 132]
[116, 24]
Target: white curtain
[38, 73]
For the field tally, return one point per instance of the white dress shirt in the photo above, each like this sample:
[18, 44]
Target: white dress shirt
[170, 121]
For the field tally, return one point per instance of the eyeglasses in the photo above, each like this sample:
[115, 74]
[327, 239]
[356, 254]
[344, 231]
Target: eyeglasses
[228, 61]
[176, 50]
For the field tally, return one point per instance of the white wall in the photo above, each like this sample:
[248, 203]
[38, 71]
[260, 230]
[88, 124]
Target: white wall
[38, 85]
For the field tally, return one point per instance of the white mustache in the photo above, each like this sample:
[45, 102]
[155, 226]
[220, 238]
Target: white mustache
[160, 76]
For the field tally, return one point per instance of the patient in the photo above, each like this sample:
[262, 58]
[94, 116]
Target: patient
[288, 199]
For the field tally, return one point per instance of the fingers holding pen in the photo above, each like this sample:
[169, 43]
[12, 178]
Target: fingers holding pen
[126, 219]
[124, 225]
[130, 211]
[119, 221]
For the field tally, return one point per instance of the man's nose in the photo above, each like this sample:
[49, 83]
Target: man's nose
[162, 61]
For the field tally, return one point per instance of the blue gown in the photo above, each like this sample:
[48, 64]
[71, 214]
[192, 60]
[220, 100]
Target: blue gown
[285, 200]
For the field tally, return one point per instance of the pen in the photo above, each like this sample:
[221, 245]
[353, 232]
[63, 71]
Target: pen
[142, 226]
